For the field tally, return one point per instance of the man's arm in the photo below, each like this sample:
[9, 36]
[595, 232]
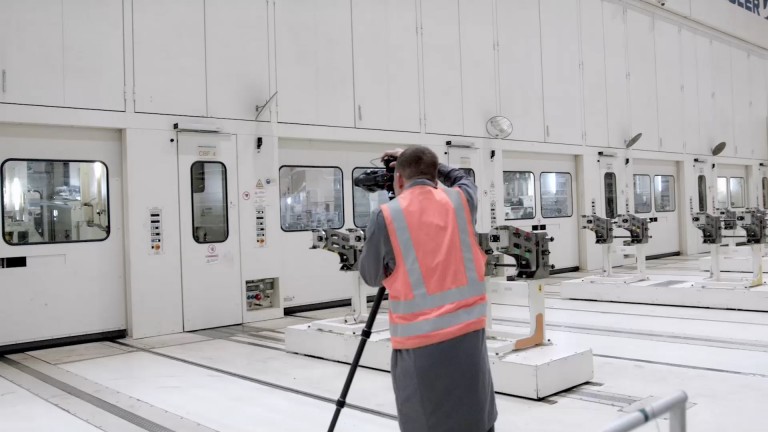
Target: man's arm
[377, 260]
[454, 177]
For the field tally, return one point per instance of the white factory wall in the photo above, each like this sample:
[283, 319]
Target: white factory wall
[575, 76]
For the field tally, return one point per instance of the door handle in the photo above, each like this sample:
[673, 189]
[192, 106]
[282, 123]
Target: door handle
[4, 79]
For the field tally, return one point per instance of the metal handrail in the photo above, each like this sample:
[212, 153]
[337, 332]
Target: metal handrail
[674, 404]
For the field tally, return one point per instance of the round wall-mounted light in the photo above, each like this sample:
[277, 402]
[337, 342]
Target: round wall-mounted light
[499, 127]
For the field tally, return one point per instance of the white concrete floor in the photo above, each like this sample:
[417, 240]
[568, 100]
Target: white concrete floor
[240, 379]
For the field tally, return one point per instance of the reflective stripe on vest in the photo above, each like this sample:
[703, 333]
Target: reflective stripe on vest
[422, 301]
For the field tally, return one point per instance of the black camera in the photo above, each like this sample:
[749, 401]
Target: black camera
[379, 179]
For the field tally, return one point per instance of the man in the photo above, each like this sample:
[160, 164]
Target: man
[423, 248]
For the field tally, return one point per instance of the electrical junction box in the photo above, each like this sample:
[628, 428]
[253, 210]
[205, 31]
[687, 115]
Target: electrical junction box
[261, 294]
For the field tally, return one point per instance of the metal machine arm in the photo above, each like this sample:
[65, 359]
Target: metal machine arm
[348, 244]
[753, 222]
[602, 227]
[710, 226]
[529, 249]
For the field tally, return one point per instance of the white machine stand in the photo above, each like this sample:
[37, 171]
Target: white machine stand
[733, 258]
[716, 291]
[525, 365]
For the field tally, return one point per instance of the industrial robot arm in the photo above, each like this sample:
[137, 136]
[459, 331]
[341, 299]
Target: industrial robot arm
[348, 244]
[531, 253]
[752, 221]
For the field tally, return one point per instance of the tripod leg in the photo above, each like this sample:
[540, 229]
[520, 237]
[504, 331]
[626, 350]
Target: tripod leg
[341, 402]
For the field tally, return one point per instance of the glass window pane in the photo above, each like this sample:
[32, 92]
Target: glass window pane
[311, 198]
[722, 193]
[556, 195]
[210, 222]
[611, 199]
[765, 192]
[664, 193]
[54, 201]
[702, 193]
[519, 195]
[643, 194]
[470, 172]
[365, 202]
[738, 192]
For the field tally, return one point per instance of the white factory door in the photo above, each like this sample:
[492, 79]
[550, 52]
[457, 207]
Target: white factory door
[210, 241]
[655, 189]
[61, 252]
[704, 196]
[731, 192]
[614, 201]
[540, 194]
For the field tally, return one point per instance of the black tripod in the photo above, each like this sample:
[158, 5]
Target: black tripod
[341, 401]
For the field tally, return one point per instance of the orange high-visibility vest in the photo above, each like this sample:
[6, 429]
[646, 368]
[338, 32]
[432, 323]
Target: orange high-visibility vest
[436, 291]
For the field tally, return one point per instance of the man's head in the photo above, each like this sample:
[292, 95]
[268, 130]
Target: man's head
[415, 163]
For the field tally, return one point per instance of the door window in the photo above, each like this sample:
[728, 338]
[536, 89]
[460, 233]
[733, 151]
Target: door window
[556, 195]
[702, 193]
[611, 199]
[519, 195]
[737, 192]
[664, 193]
[365, 202]
[722, 193]
[643, 194]
[765, 192]
[45, 201]
[210, 222]
[311, 198]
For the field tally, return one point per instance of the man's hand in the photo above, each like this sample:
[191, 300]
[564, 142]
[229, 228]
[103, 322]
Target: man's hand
[391, 153]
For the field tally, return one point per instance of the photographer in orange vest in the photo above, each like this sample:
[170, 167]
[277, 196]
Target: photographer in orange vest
[423, 248]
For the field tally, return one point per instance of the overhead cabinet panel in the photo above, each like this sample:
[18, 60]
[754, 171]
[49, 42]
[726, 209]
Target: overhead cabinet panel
[615, 28]
[520, 74]
[169, 56]
[93, 54]
[669, 79]
[741, 102]
[478, 65]
[237, 58]
[314, 62]
[642, 79]
[758, 119]
[690, 92]
[593, 73]
[722, 78]
[708, 137]
[31, 55]
[386, 64]
[442, 66]
[562, 82]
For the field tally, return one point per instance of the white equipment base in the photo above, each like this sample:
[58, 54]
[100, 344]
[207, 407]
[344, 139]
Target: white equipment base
[672, 291]
[732, 263]
[534, 373]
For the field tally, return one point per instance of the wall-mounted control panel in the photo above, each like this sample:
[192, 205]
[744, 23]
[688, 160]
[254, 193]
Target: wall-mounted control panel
[261, 226]
[155, 231]
[261, 294]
